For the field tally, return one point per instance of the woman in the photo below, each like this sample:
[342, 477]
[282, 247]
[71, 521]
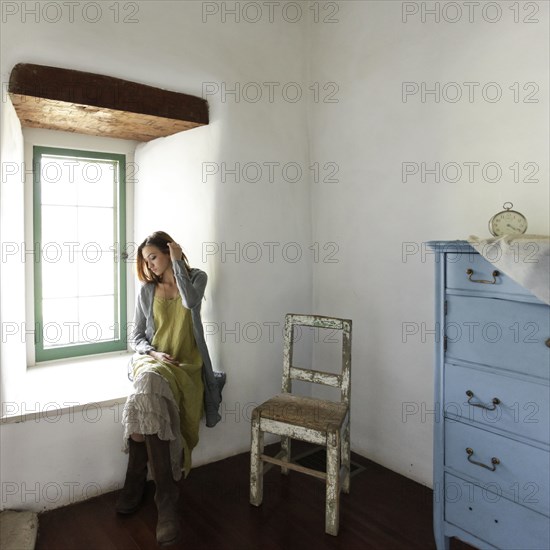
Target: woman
[174, 383]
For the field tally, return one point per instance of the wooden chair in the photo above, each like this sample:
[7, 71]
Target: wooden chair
[317, 421]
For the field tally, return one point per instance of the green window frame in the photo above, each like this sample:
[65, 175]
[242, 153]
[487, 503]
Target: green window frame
[103, 338]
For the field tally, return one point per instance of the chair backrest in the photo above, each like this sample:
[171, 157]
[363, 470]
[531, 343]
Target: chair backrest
[290, 372]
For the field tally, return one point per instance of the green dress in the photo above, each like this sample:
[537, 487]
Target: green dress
[174, 335]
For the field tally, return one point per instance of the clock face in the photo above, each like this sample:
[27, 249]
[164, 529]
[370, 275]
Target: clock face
[508, 223]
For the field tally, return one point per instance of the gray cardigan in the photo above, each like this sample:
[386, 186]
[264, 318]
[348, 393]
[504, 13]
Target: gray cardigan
[191, 288]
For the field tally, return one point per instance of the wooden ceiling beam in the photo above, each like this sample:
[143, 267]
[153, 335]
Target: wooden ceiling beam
[87, 103]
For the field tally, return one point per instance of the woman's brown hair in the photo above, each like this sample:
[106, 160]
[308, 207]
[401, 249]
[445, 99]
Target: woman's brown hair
[160, 239]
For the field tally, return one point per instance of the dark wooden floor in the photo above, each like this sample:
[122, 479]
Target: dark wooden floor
[383, 511]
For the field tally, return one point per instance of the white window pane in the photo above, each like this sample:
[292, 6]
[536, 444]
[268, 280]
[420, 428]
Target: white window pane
[59, 225]
[60, 277]
[60, 322]
[79, 230]
[96, 272]
[96, 225]
[97, 318]
[96, 183]
[57, 180]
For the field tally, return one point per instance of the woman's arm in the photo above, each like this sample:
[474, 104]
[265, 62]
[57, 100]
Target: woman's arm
[139, 342]
[192, 292]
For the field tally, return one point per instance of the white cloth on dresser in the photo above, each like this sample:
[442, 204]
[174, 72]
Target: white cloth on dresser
[524, 258]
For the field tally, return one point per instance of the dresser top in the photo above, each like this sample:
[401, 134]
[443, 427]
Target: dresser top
[451, 246]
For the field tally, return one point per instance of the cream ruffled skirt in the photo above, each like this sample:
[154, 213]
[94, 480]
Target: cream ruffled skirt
[151, 409]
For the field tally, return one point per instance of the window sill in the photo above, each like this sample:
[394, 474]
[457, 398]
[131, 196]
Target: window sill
[70, 385]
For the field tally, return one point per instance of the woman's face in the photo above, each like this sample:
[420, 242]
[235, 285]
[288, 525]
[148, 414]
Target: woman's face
[156, 261]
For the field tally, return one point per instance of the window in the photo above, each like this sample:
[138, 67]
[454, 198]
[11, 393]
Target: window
[79, 237]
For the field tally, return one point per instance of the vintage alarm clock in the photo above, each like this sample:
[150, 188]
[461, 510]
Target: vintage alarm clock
[508, 222]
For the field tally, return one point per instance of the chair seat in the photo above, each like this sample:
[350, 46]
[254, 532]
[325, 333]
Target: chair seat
[311, 413]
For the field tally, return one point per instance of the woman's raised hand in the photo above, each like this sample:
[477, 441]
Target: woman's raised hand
[175, 251]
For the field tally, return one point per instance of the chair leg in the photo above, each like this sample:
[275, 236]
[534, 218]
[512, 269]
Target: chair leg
[346, 458]
[256, 464]
[286, 448]
[332, 505]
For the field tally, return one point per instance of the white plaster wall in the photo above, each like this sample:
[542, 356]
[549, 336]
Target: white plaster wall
[371, 213]
[54, 458]
[12, 232]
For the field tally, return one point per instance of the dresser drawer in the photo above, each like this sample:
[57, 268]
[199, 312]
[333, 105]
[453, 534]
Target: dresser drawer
[503, 334]
[494, 519]
[463, 270]
[522, 409]
[522, 474]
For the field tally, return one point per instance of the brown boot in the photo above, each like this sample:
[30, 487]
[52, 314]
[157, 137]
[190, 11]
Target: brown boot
[166, 492]
[136, 476]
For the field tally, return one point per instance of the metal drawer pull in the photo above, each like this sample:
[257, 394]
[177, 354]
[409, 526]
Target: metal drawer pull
[495, 274]
[496, 401]
[494, 460]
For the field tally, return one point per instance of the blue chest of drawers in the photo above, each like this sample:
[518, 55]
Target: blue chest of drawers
[492, 432]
